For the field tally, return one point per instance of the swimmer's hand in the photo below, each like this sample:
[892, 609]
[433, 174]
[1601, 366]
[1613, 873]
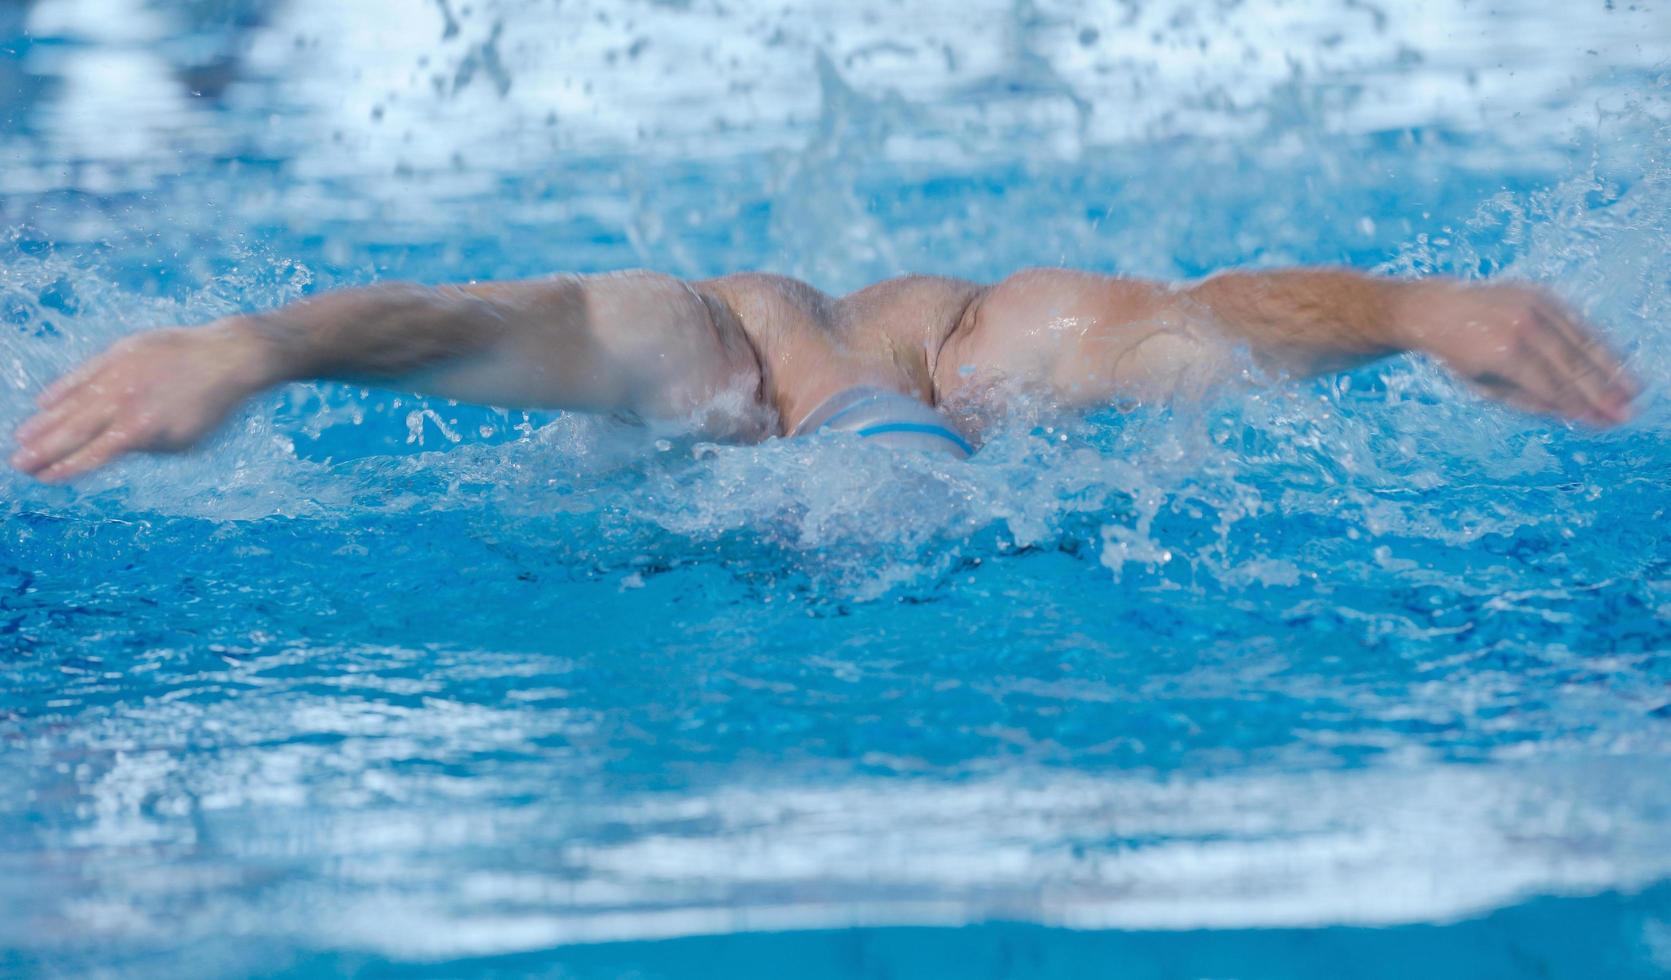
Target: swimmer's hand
[1515, 343]
[161, 391]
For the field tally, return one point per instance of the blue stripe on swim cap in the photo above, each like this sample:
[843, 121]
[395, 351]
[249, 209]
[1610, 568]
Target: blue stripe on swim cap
[849, 410]
[920, 428]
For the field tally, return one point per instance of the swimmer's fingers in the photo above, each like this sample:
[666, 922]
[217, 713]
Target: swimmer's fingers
[41, 421]
[109, 444]
[162, 391]
[1590, 367]
[1519, 344]
[1540, 372]
[1575, 381]
[1515, 391]
[1550, 374]
[69, 395]
[70, 413]
[57, 391]
[59, 434]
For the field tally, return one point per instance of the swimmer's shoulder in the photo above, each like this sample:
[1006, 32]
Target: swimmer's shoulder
[769, 306]
[910, 316]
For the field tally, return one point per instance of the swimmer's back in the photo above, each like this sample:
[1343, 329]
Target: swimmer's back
[812, 347]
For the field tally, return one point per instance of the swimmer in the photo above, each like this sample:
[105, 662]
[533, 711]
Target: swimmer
[915, 362]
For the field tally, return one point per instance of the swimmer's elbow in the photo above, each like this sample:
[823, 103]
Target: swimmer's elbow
[640, 343]
[675, 352]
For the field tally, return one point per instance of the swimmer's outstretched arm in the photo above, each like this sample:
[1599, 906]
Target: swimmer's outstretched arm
[631, 342]
[1094, 339]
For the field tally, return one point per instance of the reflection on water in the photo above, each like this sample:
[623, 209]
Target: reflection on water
[389, 675]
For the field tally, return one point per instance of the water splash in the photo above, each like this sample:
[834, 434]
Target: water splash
[1365, 454]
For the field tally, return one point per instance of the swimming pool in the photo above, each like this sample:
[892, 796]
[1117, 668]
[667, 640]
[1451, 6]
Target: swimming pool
[1349, 678]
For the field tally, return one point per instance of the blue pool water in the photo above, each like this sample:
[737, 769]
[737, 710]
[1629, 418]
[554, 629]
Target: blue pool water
[1361, 677]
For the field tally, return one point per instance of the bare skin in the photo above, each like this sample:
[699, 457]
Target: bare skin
[748, 356]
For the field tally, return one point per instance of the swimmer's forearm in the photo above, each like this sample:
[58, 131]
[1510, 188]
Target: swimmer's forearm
[374, 334]
[1310, 321]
